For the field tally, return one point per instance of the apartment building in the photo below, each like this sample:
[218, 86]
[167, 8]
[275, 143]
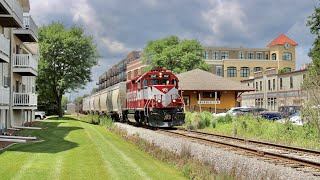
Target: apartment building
[118, 72]
[240, 63]
[274, 89]
[19, 54]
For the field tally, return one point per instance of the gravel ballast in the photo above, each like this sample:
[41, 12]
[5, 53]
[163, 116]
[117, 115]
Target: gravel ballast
[223, 161]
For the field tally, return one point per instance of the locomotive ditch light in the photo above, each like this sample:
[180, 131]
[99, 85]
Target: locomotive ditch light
[174, 100]
[159, 101]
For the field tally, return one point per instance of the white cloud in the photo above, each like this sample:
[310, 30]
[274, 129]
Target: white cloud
[84, 13]
[114, 46]
[225, 14]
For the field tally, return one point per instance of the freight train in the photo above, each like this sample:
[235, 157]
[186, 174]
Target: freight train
[151, 99]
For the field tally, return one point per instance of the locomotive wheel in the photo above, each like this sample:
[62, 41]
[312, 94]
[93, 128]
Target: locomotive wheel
[144, 119]
[137, 117]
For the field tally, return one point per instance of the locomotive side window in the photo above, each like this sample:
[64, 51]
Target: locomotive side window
[174, 82]
[139, 85]
[145, 84]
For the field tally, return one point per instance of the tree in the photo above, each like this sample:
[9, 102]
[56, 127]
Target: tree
[174, 54]
[311, 84]
[67, 56]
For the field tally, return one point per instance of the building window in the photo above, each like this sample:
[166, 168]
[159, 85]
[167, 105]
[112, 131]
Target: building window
[215, 55]
[260, 85]
[232, 72]
[281, 83]
[244, 72]
[186, 101]
[267, 56]
[286, 56]
[225, 55]
[241, 55]
[274, 56]
[206, 55]
[269, 85]
[210, 95]
[250, 55]
[274, 84]
[219, 70]
[291, 82]
[257, 88]
[255, 69]
[259, 55]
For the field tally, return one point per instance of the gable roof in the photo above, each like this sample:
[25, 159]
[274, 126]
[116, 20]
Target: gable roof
[281, 40]
[202, 80]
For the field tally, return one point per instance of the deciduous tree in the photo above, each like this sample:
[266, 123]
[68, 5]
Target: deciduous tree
[67, 56]
[174, 54]
[311, 84]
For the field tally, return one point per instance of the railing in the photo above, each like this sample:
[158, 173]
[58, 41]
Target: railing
[28, 23]
[25, 61]
[16, 7]
[4, 45]
[25, 99]
[4, 95]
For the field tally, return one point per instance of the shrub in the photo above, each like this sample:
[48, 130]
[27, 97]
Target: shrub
[206, 118]
[105, 121]
[197, 122]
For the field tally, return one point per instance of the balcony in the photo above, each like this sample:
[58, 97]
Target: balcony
[25, 99]
[25, 65]
[11, 13]
[29, 31]
[4, 96]
[4, 49]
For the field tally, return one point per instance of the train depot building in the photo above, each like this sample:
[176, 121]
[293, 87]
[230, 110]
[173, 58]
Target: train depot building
[204, 91]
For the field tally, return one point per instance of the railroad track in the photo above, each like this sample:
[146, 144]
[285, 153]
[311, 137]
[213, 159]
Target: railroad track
[301, 159]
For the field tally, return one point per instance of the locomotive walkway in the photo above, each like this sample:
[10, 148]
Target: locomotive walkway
[76, 150]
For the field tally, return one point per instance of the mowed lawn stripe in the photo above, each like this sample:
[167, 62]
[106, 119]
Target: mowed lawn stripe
[84, 161]
[130, 165]
[151, 167]
[107, 164]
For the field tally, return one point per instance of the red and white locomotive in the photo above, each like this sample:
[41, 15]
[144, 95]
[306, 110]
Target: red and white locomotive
[151, 99]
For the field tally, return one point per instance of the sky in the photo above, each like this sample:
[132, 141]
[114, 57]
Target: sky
[120, 26]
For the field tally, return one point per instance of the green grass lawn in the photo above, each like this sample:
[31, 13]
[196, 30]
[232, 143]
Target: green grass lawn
[77, 150]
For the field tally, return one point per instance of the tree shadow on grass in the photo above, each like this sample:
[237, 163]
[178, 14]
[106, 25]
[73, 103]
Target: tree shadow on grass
[53, 136]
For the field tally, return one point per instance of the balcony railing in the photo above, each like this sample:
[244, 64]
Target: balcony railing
[4, 45]
[16, 8]
[25, 61]
[25, 99]
[4, 95]
[28, 23]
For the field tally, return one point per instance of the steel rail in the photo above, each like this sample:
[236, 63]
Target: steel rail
[258, 152]
[305, 150]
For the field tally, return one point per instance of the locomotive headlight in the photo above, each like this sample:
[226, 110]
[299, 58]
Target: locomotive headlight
[174, 100]
[159, 101]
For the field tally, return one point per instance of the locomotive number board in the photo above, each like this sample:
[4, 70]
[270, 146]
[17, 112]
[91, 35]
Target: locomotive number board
[153, 76]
